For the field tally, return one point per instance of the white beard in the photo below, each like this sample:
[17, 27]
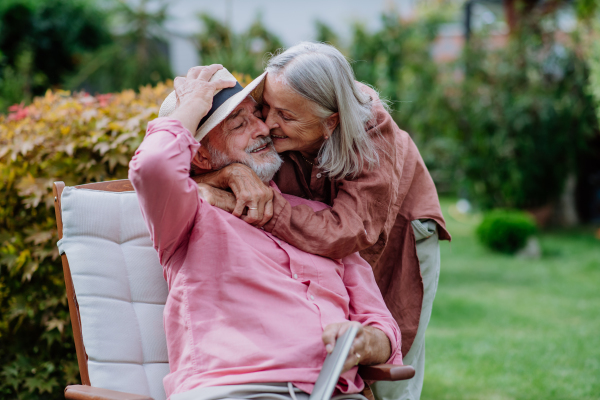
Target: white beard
[265, 170]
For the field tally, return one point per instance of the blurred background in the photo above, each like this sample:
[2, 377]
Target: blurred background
[501, 97]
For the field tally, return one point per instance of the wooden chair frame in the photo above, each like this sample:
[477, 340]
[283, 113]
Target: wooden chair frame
[382, 372]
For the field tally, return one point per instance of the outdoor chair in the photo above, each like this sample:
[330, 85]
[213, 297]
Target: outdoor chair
[116, 294]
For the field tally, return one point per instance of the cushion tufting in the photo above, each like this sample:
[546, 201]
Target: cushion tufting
[120, 290]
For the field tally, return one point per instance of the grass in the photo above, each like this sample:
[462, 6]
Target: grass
[508, 328]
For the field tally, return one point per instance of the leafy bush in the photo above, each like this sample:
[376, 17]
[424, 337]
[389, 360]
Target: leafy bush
[77, 139]
[523, 117]
[506, 231]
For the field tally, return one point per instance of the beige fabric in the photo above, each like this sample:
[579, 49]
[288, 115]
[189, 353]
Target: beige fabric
[262, 391]
[428, 251]
[254, 89]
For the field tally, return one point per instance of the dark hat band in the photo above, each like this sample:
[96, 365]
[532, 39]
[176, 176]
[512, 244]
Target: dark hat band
[221, 98]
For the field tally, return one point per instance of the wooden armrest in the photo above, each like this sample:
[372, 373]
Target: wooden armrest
[386, 372]
[84, 392]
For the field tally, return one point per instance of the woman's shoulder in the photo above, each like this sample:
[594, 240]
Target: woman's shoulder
[382, 122]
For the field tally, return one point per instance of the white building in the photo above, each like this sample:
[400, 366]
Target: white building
[292, 21]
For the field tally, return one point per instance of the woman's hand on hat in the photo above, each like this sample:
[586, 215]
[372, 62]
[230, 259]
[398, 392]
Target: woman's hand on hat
[195, 95]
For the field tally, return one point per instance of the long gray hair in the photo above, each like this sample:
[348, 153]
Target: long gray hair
[320, 73]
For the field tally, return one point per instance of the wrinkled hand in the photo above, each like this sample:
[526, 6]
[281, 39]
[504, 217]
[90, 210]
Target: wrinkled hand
[371, 346]
[217, 197]
[250, 192]
[195, 95]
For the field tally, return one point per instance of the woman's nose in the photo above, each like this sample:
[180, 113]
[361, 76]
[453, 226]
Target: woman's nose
[261, 129]
[270, 120]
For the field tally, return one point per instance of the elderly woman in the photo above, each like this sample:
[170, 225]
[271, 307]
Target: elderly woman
[340, 146]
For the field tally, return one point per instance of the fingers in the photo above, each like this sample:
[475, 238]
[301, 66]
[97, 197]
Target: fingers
[330, 335]
[351, 361]
[333, 331]
[253, 215]
[240, 204]
[223, 84]
[263, 197]
[178, 82]
[359, 343]
[207, 72]
[260, 212]
[250, 192]
[268, 214]
[194, 72]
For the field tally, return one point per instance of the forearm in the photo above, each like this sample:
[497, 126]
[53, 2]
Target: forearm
[333, 232]
[219, 179]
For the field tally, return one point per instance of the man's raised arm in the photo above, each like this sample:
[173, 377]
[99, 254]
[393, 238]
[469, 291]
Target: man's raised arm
[159, 172]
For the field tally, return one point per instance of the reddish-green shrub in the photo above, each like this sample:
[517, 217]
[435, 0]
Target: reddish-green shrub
[77, 139]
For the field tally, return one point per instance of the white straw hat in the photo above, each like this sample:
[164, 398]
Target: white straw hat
[224, 101]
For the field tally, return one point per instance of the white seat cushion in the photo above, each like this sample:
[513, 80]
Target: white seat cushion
[120, 289]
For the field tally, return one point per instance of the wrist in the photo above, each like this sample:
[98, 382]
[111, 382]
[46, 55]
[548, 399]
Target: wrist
[378, 346]
[188, 116]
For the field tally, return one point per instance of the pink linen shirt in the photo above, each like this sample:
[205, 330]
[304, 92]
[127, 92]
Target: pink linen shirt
[243, 305]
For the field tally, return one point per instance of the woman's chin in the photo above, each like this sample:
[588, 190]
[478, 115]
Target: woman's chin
[281, 145]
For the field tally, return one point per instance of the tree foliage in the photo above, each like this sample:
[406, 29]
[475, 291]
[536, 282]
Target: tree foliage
[54, 33]
[523, 118]
[244, 52]
[77, 139]
[137, 55]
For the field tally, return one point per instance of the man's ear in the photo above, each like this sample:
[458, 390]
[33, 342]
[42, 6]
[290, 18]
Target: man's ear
[201, 160]
[331, 123]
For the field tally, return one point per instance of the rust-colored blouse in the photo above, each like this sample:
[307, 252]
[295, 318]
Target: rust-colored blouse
[370, 213]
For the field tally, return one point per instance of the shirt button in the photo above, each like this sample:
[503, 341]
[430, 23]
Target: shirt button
[319, 175]
[295, 276]
[312, 297]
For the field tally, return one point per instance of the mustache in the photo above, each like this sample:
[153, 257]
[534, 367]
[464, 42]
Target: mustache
[260, 143]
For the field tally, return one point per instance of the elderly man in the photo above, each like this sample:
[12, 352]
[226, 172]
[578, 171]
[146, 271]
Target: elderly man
[247, 314]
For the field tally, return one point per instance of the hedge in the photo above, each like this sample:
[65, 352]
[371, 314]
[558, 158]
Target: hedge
[76, 138]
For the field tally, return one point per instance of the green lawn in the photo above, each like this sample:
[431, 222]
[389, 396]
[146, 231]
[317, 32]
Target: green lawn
[507, 328]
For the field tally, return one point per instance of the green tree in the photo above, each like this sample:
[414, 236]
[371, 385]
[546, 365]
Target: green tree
[524, 117]
[243, 53]
[54, 34]
[138, 56]
[326, 35]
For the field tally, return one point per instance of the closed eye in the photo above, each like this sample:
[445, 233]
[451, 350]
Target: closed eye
[284, 117]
